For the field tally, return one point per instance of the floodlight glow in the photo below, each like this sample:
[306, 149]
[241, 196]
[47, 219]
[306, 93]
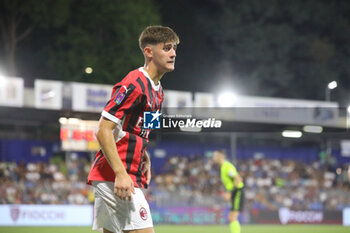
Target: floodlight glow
[73, 121]
[313, 129]
[332, 85]
[63, 120]
[227, 99]
[292, 134]
[88, 70]
[348, 109]
[2, 80]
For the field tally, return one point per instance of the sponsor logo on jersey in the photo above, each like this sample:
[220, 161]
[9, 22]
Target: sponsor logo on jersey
[119, 98]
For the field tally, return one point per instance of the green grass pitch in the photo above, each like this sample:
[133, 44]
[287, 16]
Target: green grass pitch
[195, 229]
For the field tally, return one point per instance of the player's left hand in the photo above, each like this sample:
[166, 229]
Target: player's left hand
[146, 168]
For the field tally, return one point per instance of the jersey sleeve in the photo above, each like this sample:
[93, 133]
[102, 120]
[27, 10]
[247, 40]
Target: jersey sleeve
[228, 174]
[232, 172]
[124, 98]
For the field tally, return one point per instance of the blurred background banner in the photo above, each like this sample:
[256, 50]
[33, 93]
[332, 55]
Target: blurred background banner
[78, 135]
[204, 100]
[287, 216]
[26, 150]
[48, 94]
[11, 91]
[345, 148]
[189, 215]
[81, 215]
[90, 97]
[46, 215]
[346, 217]
[177, 99]
[286, 110]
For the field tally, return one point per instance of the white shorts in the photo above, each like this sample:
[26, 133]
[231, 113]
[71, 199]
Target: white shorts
[116, 215]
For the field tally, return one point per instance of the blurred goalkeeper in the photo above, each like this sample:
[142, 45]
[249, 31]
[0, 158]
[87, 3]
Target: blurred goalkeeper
[234, 186]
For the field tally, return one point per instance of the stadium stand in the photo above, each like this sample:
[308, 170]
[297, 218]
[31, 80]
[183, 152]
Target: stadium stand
[187, 181]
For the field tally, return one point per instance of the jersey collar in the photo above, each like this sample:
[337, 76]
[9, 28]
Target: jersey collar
[155, 87]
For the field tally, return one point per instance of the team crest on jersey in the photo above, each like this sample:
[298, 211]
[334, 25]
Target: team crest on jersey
[143, 214]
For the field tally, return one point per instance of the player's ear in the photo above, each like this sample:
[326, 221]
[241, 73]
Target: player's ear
[148, 51]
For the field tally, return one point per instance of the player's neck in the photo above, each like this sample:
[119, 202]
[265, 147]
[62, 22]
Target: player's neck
[153, 73]
[222, 162]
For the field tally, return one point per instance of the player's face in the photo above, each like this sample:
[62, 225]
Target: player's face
[216, 157]
[164, 56]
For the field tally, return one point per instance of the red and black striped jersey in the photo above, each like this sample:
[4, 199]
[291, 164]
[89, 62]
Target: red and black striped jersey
[130, 98]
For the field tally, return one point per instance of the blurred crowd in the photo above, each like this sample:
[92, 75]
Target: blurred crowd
[57, 182]
[269, 184]
[187, 181]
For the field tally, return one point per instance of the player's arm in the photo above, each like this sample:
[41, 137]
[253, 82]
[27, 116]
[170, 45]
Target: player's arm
[232, 174]
[237, 179]
[123, 185]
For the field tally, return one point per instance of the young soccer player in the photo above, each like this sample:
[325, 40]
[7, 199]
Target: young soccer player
[234, 186]
[122, 166]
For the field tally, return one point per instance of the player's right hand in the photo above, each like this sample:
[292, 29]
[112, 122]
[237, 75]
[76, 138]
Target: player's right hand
[123, 186]
[227, 196]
